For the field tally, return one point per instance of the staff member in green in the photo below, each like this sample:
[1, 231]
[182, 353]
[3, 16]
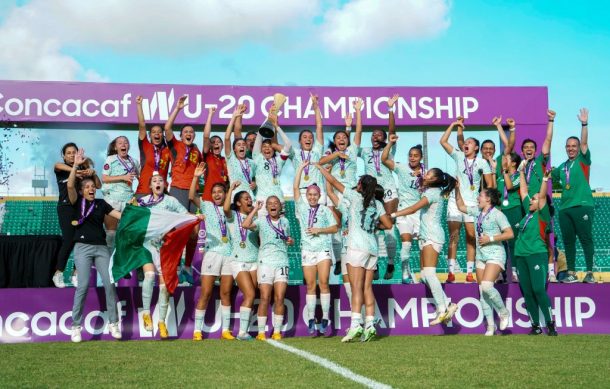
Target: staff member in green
[531, 253]
[576, 208]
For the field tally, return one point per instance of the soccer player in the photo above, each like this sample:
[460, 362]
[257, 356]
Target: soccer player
[185, 156]
[410, 180]
[531, 253]
[436, 187]
[217, 260]
[471, 169]
[244, 252]
[90, 247]
[241, 168]
[269, 166]
[216, 171]
[154, 153]
[157, 199]
[317, 222]
[373, 166]
[65, 210]
[272, 273]
[492, 228]
[576, 209]
[119, 172]
[365, 215]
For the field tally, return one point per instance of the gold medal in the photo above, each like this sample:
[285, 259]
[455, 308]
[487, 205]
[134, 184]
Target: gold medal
[342, 173]
[472, 187]
[225, 239]
[242, 245]
[275, 181]
[567, 186]
[306, 178]
[74, 223]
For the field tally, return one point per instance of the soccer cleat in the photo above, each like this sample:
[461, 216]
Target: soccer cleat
[369, 334]
[276, 336]
[197, 336]
[451, 309]
[337, 270]
[163, 334]
[244, 337]
[589, 279]
[570, 278]
[389, 273]
[552, 278]
[551, 330]
[353, 333]
[312, 327]
[76, 336]
[504, 319]
[413, 277]
[491, 330]
[227, 335]
[470, 279]
[261, 336]
[450, 278]
[148, 326]
[406, 276]
[115, 331]
[58, 280]
[440, 318]
[515, 278]
[536, 330]
[323, 327]
[74, 280]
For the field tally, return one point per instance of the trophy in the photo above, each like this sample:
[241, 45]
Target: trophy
[267, 130]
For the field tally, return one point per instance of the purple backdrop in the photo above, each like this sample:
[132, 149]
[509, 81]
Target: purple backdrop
[106, 103]
[37, 315]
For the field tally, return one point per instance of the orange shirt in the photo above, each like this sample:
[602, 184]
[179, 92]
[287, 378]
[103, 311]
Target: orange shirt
[216, 172]
[152, 159]
[183, 165]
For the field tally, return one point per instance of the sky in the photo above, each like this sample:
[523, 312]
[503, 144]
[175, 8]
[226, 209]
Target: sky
[559, 44]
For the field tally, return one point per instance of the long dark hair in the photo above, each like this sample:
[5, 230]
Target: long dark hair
[112, 146]
[494, 196]
[368, 189]
[442, 180]
[379, 193]
[237, 198]
[331, 144]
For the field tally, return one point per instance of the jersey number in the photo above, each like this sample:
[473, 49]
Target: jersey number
[284, 271]
[368, 225]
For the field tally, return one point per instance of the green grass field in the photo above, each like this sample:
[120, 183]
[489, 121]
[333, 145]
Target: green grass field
[399, 361]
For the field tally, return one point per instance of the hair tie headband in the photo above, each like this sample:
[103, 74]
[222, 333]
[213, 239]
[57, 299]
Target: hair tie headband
[315, 187]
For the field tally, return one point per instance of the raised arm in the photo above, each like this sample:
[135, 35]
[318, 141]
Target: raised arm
[207, 129]
[332, 196]
[523, 190]
[510, 144]
[296, 184]
[226, 206]
[543, 187]
[508, 182]
[248, 222]
[391, 118]
[229, 130]
[385, 156]
[287, 143]
[584, 132]
[358, 108]
[141, 122]
[460, 138]
[348, 123]
[238, 121]
[445, 138]
[79, 158]
[199, 170]
[258, 144]
[423, 202]
[169, 124]
[497, 121]
[546, 146]
[316, 109]
[330, 178]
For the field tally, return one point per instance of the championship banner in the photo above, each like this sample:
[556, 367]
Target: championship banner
[42, 315]
[64, 103]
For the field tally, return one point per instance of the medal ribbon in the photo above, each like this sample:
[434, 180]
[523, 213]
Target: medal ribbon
[480, 221]
[566, 170]
[84, 213]
[151, 200]
[308, 159]
[312, 215]
[273, 164]
[529, 168]
[377, 161]
[128, 169]
[469, 171]
[279, 230]
[242, 231]
[527, 220]
[221, 220]
[245, 169]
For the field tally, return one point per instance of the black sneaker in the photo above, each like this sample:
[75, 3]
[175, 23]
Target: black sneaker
[551, 330]
[536, 330]
[389, 273]
[337, 268]
[376, 275]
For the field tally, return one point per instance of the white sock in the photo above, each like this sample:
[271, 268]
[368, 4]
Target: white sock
[244, 320]
[451, 265]
[337, 246]
[262, 323]
[514, 269]
[163, 302]
[552, 268]
[469, 267]
[488, 313]
[356, 317]
[368, 321]
[310, 302]
[348, 291]
[434, 284]
[405, 253]
[225, 313]
[325, 303]
[390, 241]
[199, 315]
[147, 290]
[278, 320]
[383, 250]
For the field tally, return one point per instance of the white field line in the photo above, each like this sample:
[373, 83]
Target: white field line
[332, 366]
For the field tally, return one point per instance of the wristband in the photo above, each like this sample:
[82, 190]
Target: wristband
[505, 171]
[393, 215]
[390, 109]
[511, 128]
[551, 120]
[545, 179]
[585, 124]
[491, 238]
[348, 128]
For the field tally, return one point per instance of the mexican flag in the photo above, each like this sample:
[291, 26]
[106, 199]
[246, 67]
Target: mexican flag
[147, 235]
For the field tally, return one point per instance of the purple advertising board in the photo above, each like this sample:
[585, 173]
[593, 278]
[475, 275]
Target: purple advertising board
[40, 315]
[114, 104]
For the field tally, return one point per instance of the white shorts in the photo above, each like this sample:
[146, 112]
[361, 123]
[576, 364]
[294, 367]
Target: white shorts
[408, 224]
[238, 267]
[323, 198]
[214, 264]
[310, 258]
[436, 246]
[116, 205]
[358, 258]
[390, 194]
[481, 264]
[454, 214]
[343, 264]
[270, 275]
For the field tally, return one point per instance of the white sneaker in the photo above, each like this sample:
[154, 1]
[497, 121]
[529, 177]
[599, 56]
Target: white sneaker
[552, 278]
[491, 330]
[451, 309]
[440, 318]
[58, 280]
[115, 331]
[74, 280]
[504, 321]
[75, 336]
